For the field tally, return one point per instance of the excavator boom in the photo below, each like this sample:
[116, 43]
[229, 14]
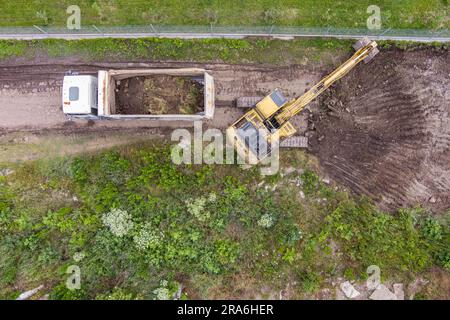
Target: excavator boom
[293, 108]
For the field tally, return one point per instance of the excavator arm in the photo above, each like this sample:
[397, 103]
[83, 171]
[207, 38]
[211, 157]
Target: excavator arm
[366, 52]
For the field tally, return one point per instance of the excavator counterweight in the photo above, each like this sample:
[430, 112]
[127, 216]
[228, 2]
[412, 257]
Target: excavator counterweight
[268, 122]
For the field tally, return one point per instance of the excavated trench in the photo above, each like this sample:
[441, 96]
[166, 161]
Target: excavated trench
[384, 129]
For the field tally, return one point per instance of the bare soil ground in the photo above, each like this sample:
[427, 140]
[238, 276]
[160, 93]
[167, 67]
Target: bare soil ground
[384, 129]
[27, 81]
[161, 94]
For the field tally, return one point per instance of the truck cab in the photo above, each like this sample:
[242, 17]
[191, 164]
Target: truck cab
[80, 95]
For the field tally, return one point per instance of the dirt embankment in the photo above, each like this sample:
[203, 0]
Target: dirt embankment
[384, 129]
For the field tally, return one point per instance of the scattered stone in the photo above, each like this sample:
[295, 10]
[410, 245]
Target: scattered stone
[382, 293]
[415, 287]
[289, 170]
[326, 180]
[349, 290]
[75, 199]
[6, 172]
[177, 295]
[432, 200]
[398, 291]
[27, 294]
[302, 194]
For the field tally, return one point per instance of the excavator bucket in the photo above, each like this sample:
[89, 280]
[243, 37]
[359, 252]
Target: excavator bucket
[362, 43]
[371, 55]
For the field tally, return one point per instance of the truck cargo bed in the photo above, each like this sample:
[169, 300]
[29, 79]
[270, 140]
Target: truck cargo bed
[163, 94]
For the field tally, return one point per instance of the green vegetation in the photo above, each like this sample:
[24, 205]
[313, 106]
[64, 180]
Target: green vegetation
[430, 14]
[137, 225]
[199, 50]
[300, 51]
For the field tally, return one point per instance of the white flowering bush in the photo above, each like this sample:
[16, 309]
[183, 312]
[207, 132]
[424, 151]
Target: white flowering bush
[266, 221]
[196, 207]
[118, 221]
[78, 256]
[147, 237]
[163, 292]
[212, 197]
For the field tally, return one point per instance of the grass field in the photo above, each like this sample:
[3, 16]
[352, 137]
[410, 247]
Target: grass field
[429, 14]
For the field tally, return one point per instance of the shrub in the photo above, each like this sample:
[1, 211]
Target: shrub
[310, 181]
[371, 237]
[148, 238]
[432, 230]
[266, 221]
[118, 221]
[310, 281]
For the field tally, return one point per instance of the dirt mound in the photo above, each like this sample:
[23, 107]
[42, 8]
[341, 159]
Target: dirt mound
[384, 129]
[159, 94]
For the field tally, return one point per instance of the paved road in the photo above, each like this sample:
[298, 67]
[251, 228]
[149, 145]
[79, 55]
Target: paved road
[71, 36]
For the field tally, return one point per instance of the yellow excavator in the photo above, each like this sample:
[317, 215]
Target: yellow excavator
[268, 121]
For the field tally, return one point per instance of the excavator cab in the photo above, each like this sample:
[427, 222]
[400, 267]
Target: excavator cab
[255, 132]
[271, 104]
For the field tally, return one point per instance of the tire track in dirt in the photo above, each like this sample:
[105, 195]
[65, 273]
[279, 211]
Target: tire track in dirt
[393, 141]
[20, 84]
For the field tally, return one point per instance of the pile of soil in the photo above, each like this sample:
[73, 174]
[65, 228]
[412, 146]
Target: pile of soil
[384, 129]
[159, 94]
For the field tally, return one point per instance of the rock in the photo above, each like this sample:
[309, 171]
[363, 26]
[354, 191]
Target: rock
[326, 180]
[339, 295]
[382, 293]
[398, 291]
[289, 170]
[177, 295]
[349, 290]
[415, 287]
[302, 194]
[432, 200]
[27, 294]
[6, 172]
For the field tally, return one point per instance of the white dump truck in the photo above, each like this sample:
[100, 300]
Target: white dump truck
[96, 97]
